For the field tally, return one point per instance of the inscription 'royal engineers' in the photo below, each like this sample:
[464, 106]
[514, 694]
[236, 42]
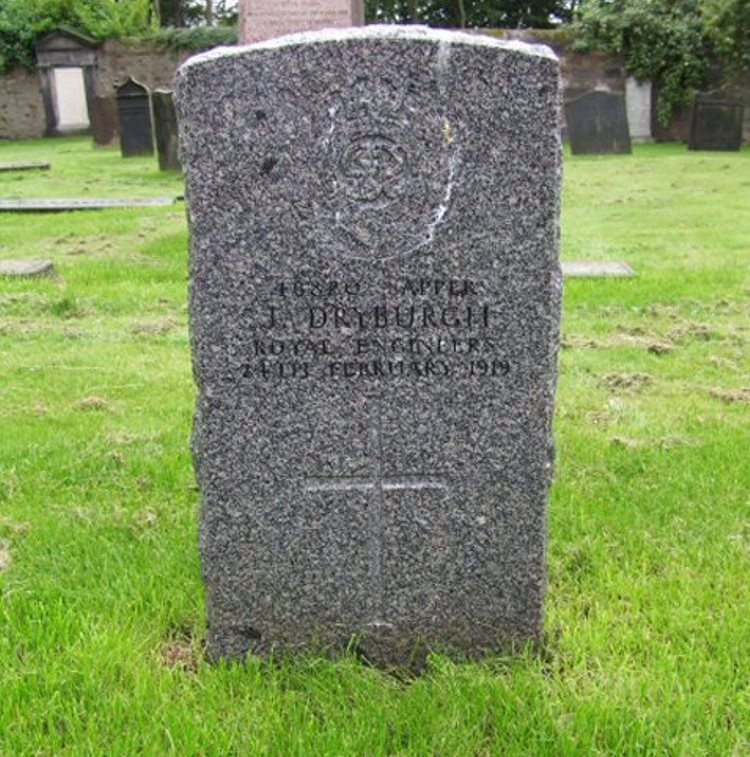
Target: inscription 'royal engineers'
[431, 328]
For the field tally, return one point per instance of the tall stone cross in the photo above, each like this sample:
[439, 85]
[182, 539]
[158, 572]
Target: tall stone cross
[374, 313]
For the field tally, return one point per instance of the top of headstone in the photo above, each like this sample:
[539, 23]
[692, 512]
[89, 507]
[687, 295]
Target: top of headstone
[373, 32]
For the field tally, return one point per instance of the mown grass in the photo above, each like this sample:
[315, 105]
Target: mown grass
[647, 643]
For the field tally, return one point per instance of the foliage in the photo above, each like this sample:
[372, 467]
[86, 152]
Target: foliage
[506, 14]
[23, 22]
[196, 37]
[672, 42]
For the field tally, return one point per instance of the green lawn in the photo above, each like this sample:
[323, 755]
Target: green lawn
[647, 642]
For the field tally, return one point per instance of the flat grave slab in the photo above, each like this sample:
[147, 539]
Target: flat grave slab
[50, 205]
[34, 165]
[596, 269]
[26, 268]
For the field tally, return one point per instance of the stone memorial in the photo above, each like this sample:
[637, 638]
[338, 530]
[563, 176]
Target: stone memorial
[716, 123]
[598, 124]
[264, 19]
[63, 205]
[31, 165]
[165, 130]
[104, 121]
[374, 310]
[134, 111]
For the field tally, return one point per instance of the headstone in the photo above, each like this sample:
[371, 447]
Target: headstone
[26, 269]
[33, 165]
[134, 110]
[374, 305]
[50, 205]
[598, 124]
[638, 103]
[104, 120]
[165, 128]
[264, 19]
[716, 123]
[596, 269]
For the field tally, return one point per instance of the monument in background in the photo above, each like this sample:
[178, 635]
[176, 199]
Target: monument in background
[264, 19]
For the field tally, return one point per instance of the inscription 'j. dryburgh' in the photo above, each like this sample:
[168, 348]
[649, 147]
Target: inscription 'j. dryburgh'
[382, 317]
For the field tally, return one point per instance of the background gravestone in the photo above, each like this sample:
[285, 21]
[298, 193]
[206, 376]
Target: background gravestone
[104, 120]
[598, 124]
[134, 111]
[165, 129]
[265, 19]
[374, 308]
[715, 123]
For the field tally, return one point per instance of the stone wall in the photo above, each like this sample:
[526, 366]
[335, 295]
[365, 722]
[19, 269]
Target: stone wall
[21, 106]
[22, 110]
[152, 67]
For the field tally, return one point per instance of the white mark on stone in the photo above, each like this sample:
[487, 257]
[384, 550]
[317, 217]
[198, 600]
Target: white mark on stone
[440, 213]
[481, 520]
[442, 63]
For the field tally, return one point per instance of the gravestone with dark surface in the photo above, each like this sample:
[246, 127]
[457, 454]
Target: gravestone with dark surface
[134, 111]
[374, 309]
[716, 123]
[104, 120]
[598, 124]
[165, 129]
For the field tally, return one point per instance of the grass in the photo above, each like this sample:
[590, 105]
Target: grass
[647, 642]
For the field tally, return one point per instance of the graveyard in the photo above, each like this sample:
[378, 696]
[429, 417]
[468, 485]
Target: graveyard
[645, 646]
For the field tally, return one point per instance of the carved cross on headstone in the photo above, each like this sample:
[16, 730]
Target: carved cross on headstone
[378, 484]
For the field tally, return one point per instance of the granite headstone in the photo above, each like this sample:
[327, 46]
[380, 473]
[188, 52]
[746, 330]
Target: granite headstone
[165, 129]
[374, 309]
[134, 111]
[104, 121]
[716, 123]
[598, 124]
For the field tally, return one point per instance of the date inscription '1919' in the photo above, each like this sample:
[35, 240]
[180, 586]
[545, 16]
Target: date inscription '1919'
[330, 330]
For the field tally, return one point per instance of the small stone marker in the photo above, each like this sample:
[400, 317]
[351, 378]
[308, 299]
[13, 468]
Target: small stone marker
[104, 121]
[62, 205]
[26, 268]
[374, 307]
[134, 111]
[588, 269]
[598, 124]
[165, 128]
[716, 123]
[264, 19]
[34, 165]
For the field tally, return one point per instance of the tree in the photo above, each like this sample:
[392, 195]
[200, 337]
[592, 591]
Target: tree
[671, 42]
[456, 14]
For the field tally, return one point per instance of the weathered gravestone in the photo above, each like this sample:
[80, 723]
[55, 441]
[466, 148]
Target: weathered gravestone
[715, 123]
[264, 19]
[165, 128]
[104, 120]
[374, 308]
[134, 110]
[598, 124]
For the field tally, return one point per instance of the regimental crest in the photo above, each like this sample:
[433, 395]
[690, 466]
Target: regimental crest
[392, 161]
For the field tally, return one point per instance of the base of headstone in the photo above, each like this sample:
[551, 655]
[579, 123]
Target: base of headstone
[26, 269]
[592, 269]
